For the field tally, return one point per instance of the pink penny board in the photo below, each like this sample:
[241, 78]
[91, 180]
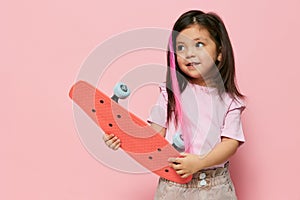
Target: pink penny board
[138, 139]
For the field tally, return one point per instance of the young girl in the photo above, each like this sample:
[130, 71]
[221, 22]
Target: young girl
[199, 102]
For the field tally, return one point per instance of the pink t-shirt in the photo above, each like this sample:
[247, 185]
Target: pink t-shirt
[210, 116]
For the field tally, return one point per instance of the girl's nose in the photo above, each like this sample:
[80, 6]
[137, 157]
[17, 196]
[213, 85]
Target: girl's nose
[190, 52]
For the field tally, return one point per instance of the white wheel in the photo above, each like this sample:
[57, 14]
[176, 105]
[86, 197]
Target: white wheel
[121, 90]
[178, 142]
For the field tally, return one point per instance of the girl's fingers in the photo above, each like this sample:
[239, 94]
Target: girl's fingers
[117, 147]
[175, 166]
[111, 141]
[185, 175]
[175, 160]
[104, 137]
[180, 172]
[171, 160]
[115, 143]
[107, 137]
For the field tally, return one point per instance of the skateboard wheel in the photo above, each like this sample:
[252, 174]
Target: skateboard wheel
[121, 90]
[178, 142]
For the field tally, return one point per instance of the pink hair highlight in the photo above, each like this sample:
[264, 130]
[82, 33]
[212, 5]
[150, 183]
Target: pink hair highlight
[175, 89]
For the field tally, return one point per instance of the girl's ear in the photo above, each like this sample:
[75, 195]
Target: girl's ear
[219, 57]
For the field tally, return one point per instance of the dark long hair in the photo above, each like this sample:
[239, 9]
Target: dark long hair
[226, 67]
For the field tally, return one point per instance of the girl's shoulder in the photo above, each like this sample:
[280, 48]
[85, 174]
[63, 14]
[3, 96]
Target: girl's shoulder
[233, 102]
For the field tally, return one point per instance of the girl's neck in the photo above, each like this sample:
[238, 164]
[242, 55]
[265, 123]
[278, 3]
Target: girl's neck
[200, 82]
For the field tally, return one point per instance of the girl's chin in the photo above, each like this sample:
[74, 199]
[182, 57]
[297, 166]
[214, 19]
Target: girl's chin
[195, 76]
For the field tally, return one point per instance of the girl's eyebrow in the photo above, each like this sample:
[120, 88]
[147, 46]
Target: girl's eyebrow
[195, 39]
[200, 38]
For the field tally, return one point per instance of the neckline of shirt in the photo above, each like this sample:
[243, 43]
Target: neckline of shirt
[207, 89]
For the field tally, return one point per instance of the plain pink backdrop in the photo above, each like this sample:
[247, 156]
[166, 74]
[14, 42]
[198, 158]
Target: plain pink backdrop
[43, 44]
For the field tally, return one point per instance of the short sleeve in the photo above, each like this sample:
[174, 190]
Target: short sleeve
[158, 114]
[232, 126]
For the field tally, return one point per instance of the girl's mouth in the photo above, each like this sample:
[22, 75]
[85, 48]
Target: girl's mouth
[193, 64]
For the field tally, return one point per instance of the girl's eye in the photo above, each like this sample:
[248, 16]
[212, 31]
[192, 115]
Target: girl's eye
[180, 48]
[199, 44]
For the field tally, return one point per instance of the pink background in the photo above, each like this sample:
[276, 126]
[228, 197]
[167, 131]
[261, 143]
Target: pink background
[43, 44]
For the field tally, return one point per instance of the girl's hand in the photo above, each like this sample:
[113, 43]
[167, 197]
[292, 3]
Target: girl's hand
[112, 141]
[186, 165]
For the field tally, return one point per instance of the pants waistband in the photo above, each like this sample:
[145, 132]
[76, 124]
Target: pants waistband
[210, 173]
[205, 178]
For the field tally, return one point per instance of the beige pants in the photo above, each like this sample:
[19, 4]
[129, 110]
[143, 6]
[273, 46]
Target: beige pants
[211, 184]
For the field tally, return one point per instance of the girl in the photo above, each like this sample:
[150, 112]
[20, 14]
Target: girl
[201, 103]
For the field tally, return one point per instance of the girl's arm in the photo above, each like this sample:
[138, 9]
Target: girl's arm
[221, 153]
[189, 164]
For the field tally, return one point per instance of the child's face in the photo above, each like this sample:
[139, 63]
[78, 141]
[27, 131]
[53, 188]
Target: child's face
[196, 52]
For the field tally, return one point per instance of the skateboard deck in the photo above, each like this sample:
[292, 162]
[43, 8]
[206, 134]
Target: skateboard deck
[139, 140]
